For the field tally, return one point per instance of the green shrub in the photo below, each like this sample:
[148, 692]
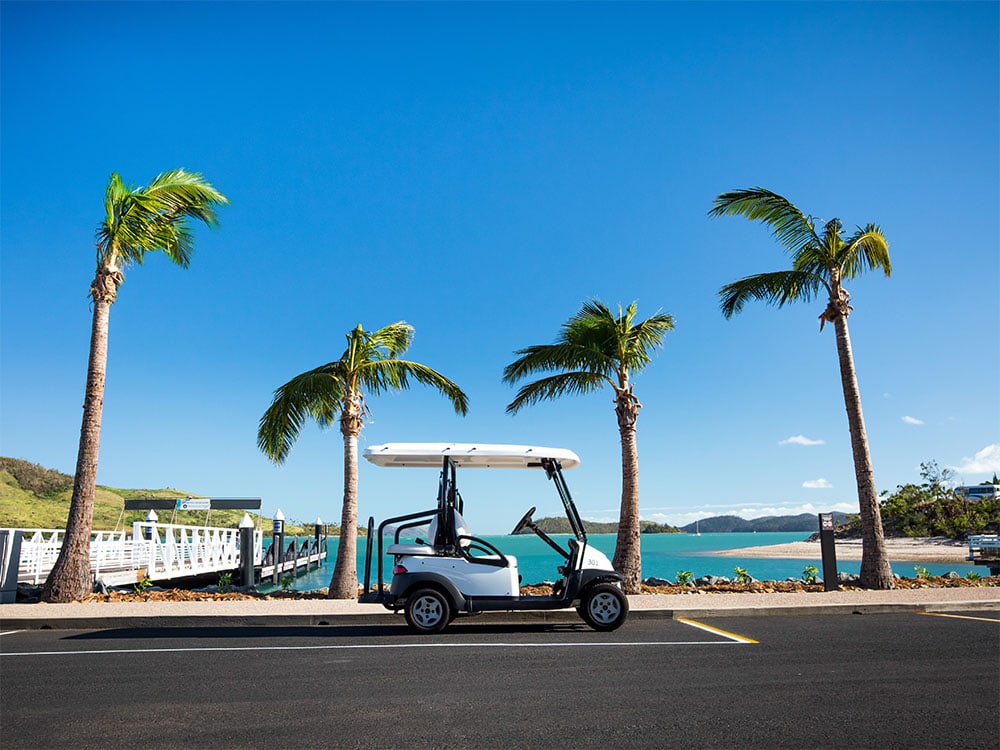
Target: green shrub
[810, 574]
[34, 478]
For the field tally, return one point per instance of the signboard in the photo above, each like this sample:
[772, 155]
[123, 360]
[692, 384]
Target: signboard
[194, 503]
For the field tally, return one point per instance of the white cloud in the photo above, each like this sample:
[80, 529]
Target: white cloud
[801, 440]
[817, 484]
[984, 462]
[912, 420]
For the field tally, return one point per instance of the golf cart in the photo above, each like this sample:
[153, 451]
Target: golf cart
[454, 572]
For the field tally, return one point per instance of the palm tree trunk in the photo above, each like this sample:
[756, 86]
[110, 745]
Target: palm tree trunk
[70, 577]
[628, 558]
[875, 570]
[344, 584]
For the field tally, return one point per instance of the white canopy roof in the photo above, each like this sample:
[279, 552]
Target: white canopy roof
[471, 455]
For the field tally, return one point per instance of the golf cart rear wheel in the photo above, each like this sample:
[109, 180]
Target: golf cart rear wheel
[603, 607]
[427, 611]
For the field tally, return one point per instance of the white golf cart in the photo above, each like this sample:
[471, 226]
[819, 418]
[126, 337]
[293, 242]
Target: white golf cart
[453, 572]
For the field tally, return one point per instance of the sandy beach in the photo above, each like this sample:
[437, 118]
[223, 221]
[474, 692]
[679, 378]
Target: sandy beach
[899, 550]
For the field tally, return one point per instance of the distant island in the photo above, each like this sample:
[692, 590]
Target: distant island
[560, 525]
[732, 524]
[805, 522]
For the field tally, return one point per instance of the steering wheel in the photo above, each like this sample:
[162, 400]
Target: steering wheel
[525, 520]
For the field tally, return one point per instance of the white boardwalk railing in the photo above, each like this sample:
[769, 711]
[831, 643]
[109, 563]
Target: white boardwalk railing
[154, 550]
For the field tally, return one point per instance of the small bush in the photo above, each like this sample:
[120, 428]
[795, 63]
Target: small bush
[36, 479]
[810, 574]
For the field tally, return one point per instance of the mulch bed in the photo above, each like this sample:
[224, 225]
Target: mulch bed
[756, 587]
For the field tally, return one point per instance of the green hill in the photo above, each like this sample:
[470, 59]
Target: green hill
[561, 526]
[35, 497]
[729, 524]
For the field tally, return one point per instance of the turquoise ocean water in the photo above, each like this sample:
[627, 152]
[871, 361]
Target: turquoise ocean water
[663, 555]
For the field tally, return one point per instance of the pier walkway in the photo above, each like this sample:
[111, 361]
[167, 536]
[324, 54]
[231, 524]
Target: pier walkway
[162, 552]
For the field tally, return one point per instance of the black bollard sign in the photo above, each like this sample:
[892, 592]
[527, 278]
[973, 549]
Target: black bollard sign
[829, 550]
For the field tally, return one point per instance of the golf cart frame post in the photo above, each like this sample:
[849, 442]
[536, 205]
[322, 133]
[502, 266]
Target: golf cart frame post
[435, 580]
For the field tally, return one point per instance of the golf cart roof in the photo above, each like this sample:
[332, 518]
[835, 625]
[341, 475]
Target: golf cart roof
[470, 455]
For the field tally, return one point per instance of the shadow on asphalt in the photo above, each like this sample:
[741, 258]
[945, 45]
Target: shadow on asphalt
[318, 631]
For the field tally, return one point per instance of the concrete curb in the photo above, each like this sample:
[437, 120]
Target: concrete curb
[260, 615]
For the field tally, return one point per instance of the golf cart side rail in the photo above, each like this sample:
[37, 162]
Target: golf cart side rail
[420, 517]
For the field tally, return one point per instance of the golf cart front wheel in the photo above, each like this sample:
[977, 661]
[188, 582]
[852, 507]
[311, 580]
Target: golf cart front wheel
[427, 611]
[603, 607]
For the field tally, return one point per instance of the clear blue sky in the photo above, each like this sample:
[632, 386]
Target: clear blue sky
[479, 170]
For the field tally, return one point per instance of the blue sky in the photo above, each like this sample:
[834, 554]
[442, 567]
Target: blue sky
[479, 170]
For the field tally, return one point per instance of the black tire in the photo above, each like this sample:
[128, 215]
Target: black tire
[427, 611]
[603, 607]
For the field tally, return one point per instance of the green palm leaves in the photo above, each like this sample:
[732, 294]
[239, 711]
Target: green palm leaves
[335, 391]
[820, 260]
[136, 221]
[154, 217]
[596, 347]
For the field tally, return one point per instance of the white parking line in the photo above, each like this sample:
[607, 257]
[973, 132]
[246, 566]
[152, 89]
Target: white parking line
[373, 647]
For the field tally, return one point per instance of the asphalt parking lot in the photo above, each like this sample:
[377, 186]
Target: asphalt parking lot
[895, 680]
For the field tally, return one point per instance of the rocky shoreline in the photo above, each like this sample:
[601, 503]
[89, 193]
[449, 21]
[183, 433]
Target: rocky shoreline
[654, 586]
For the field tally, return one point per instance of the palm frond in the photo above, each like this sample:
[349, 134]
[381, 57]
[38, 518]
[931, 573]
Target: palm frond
[558, 356]
[317, 394]
[595, 347]
[155, 217]
[776, 288]
[369, 363]
[395, 374]
[793, 230]
[644, 337]
[866, 249]
[179, 192]
[555, 386]
[394, 339]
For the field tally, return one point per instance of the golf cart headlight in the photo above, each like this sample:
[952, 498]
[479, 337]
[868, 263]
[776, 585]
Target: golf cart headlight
[399, 570]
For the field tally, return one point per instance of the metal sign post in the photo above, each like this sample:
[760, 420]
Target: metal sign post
[829, 550]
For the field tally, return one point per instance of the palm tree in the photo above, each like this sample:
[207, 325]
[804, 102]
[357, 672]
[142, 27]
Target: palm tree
[821, 261]
[335, 391]
[137, 221]
[598, 348]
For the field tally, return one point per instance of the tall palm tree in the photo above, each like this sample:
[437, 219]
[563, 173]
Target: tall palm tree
[335, 392]
[821, 261]
[599, 348]
[137, 221]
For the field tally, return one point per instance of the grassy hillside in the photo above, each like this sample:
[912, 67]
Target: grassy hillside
[560, 525]
[34, 497]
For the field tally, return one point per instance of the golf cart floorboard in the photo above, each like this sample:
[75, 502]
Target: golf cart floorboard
[501, 604]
